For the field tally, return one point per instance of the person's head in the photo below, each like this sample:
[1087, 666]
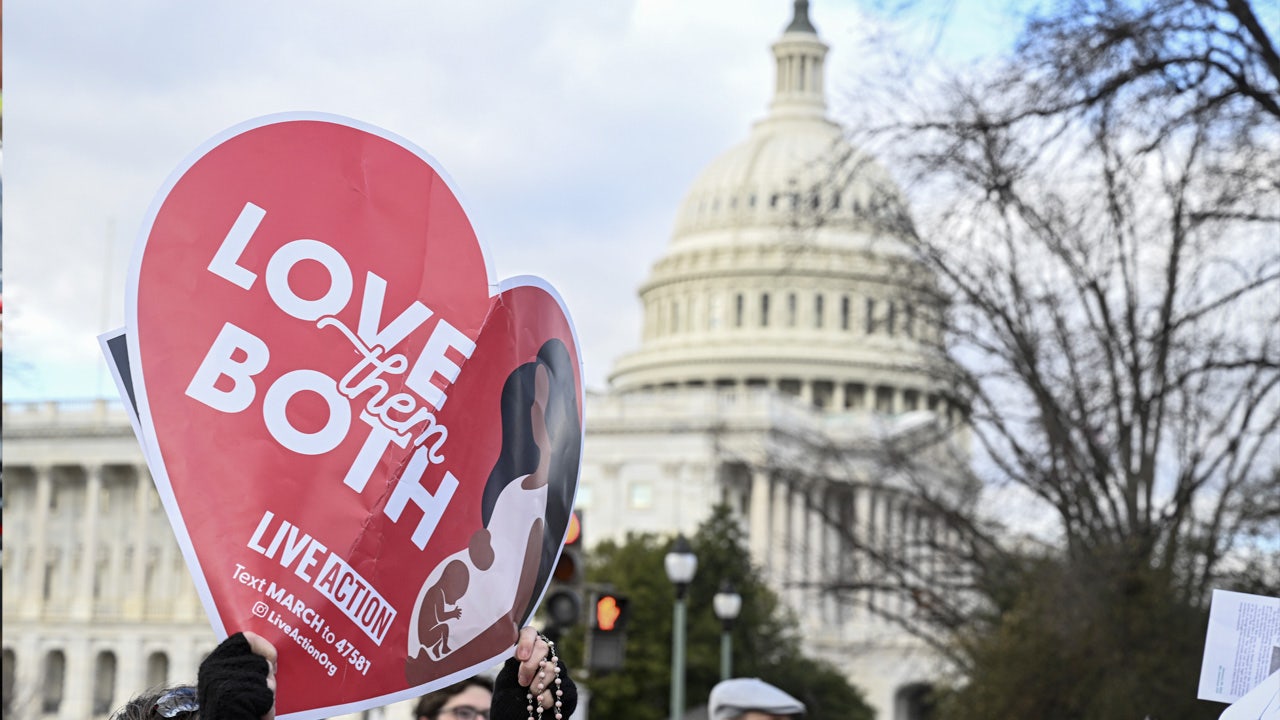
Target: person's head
[752, 699]
[174, 703]
[459, 701]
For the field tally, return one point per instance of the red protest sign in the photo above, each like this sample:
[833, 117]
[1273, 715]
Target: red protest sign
[367, 449]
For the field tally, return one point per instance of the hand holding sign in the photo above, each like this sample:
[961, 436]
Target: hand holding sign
[367, 448]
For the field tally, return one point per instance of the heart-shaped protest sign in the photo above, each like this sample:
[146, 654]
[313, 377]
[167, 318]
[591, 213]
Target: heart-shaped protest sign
[367, 449]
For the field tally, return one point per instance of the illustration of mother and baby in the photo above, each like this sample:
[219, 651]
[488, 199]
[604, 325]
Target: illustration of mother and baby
[478, 598]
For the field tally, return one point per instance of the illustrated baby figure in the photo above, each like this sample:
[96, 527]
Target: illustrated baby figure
[434, 611]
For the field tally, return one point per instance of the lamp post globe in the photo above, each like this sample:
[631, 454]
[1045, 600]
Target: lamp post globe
[727, 604]
[680, 564]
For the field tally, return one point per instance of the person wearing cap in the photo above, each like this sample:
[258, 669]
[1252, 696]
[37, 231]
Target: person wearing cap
[752, 699]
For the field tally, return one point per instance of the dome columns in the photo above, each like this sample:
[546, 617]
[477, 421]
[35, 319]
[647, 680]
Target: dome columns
[800, 55]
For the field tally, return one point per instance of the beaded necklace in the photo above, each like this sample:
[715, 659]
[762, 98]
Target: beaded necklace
[534, 704]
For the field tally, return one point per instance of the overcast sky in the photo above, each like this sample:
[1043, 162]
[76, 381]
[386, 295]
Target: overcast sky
[572, 129]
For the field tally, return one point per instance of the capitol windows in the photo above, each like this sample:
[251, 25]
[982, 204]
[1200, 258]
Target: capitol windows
[845, 312]
[889, 318]
[884, 399]
[714, 315]
[99, 575]
[55, 676]
[157, 669]
[764, 310]
[640, 496]
[104, 683]
[823, 392]
[910, 400]
[817, 311]
[149, 585]
[871, 316]
[855, 396]
[739, 311]
[46, 586]
[914, 701]
[791, 310]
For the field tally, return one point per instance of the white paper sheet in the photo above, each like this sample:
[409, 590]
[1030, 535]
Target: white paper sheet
[1242, 646]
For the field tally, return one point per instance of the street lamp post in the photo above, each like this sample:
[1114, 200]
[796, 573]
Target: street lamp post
[727, 604]
[680, 564]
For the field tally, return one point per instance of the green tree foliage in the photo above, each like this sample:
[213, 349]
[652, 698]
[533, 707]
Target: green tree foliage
[1076, 642]
[765, 640]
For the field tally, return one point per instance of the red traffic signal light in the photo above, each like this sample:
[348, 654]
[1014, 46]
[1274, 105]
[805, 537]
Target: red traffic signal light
[570, 567]
[606, 634]
[573, 536]
[609, 612]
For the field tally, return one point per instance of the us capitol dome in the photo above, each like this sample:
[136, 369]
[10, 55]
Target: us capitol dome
[781, 341]
[776, 274]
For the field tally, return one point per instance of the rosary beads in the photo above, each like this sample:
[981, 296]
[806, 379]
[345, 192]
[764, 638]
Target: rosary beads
[547, 664]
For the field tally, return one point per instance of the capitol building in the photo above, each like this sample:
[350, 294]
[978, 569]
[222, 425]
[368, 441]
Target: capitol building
[778, 347]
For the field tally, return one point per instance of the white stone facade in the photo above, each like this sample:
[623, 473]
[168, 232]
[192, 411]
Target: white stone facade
[98, 604]
[658, 461]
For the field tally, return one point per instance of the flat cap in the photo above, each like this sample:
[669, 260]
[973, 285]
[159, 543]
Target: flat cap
[731, 698]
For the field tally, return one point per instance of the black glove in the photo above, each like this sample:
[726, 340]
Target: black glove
[510, 698]
[232, 682]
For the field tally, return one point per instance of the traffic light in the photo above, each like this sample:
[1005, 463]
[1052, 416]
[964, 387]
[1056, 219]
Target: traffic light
[606, 634]
[611, 613]
[563, 603]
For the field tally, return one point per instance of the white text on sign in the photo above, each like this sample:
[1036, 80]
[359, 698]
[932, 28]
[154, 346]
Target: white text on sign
[236, 356]
[335, 579]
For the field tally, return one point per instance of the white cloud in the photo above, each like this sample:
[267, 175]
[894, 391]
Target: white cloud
[571, 129]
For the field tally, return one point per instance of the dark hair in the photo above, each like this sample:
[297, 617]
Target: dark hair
[429, 705]
[178, 701]
[519, 455]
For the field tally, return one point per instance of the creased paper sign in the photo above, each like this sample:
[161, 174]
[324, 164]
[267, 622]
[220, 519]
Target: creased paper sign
[1242, 645]
[368, 450]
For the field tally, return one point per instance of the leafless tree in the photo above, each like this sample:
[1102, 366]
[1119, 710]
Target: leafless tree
[1095, 230]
